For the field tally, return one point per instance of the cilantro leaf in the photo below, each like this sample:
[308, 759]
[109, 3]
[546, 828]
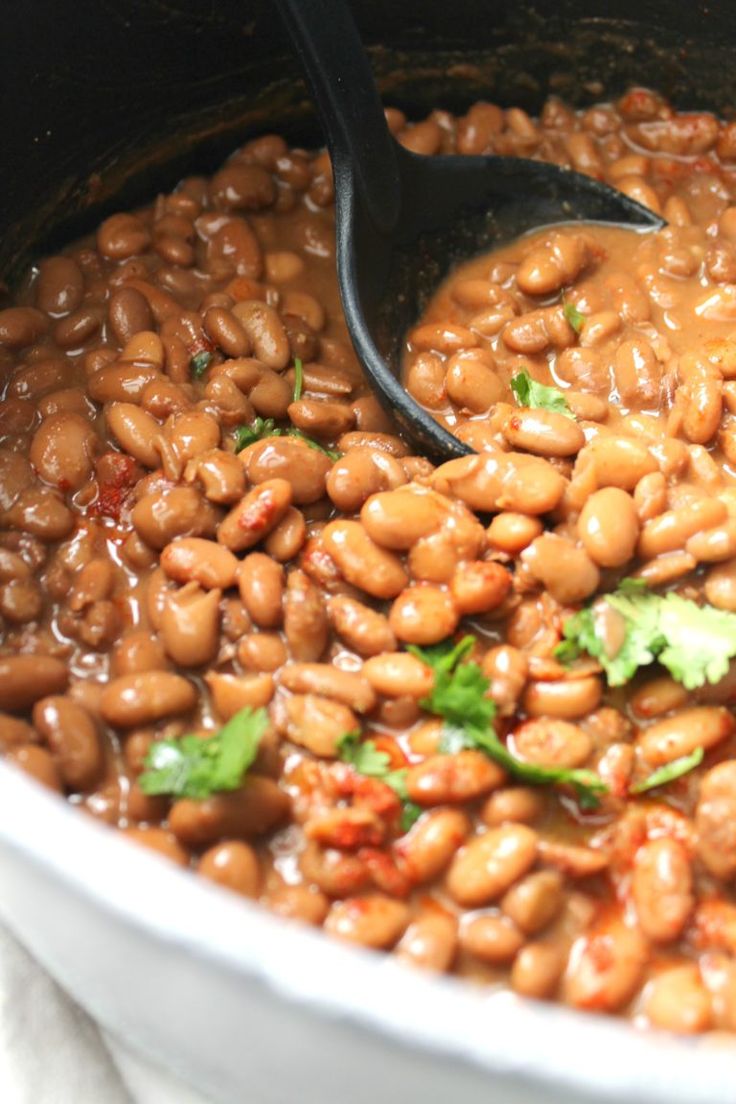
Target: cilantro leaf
[298, 379]
[694, 643]
[700, 641]
[460, 697]
[669, 772]
[370, 761]
[248, 434]
[575, 317]
[193, 766]
[537, 396]
[199, 363]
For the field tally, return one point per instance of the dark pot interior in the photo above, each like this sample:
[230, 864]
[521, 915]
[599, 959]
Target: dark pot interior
[105, 103]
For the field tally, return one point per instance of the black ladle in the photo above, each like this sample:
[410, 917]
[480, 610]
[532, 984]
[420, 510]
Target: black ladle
[403, 220]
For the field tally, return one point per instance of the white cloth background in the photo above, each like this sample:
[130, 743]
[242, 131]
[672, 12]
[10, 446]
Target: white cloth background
[52, 1053]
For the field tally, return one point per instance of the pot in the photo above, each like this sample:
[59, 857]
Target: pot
[101, 109]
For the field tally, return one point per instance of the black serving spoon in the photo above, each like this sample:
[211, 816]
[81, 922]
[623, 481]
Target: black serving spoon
[403, 220]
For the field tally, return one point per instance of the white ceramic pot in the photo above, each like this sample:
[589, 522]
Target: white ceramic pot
[248, 1007]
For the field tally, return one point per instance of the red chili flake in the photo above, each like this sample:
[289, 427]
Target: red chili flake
[258, 515]
[348, 836]
[114, 489]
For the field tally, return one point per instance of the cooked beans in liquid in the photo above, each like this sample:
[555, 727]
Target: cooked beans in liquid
[157, 581]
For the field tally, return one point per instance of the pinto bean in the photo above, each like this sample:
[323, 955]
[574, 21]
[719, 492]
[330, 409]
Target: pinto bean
[715, 820]
[257, 807]
[677, 1000]
[606, 967]
[63, 450]
[255, 515]
[36, 762]
[566, 699]
[720, 586]
[233, 865]
[261, 584]
[132, 701]
[430, 941]
[507, 669]
[305, 618]
[501, 481]
[399, 674]
[177, 512]
[138, 651]
[543, 432]
[265, 331]
[136, 431]
[290, 459]
[231, 693]
[122, 236]
[609, 527]
[330, 682]
[479, 586]
[511, 533]
[423, 614]
[490, 864]
[662, 889]
[190, 625]
[397, 519]
[674, 737]
[619, 461]
[363, 629]
[376, 921]
[318, 723]
[71, 735]
[552, 743]
[60, 285]
[361, 473]
[492, 938]
[24, 679]
[549, 266]
[425, 851]
[672, 529]
[445, 779]
[566, 571]
[21, 326]
[192, 559]
[535, 901]
[537, 969]
[362, 562]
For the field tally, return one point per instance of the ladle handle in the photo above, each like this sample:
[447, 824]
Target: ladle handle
[337, 69]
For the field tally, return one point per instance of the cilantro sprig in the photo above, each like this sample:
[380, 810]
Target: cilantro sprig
[694, 643]
[460, 697]
[196, 767]
[537, 396]
[261, 428]
[365, 758]
[669, 772]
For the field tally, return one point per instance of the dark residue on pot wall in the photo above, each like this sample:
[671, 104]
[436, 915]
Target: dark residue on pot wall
[102, 110]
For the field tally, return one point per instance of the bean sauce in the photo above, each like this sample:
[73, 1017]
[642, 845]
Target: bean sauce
[203, 511]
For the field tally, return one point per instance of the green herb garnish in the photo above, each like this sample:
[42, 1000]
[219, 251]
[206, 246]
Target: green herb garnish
[460, 697]
[248, 434]
[537, 396]
[575, 317]
[298, 379]
[197, 767]
[199, 363]
[365, 758]
[669, 772]
[694, 643]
